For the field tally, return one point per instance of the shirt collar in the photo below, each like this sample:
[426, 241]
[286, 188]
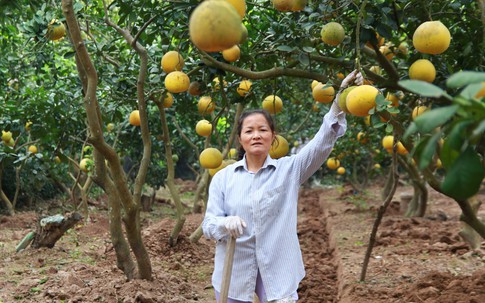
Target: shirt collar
[268, 162]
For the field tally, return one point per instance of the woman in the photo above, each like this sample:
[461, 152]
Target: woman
[255, 201]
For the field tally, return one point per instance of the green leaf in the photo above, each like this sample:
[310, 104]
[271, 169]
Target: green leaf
[412, 128]
[464, 78]
[453, 143]
[308, 49]
[479, 130]
[389, 128]
[69, 55]
[471, 90]
[428, 151]
[422, 88]
[464, 177]
[284, 48]
[303, 58]
[434, 118]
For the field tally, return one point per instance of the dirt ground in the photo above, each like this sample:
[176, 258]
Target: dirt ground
[414, 260]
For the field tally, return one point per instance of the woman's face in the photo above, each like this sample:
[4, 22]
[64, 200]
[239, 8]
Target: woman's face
[256, 135]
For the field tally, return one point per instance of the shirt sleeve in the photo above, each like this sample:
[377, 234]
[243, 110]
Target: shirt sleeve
[313, 154]
[213, 224]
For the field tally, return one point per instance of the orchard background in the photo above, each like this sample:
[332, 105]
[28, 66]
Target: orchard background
[106, 102]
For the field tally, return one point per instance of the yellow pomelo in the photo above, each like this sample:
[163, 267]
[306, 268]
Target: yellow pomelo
[332, 33]
[110, 127]
[240, 6]
[244, 35]
[167, 100]
[298, 5]
[388, 142]
[314, 83]
[279, 147]
[315, 107]
[56, 30]
[377, 166]
[333, 163]
[28, 124]
[419, 110]
[233, 153]
[57, 159]
[423, 70]
[282, 5]
[195, 88]
[273, 104]
[216, 86]
[376, 69]
[341, 170]
[215, 26]
[6, 135]
[86, 164]
[380, 41]
[205, 106]
[403, 48]
[231, 54]
[341, 76]
[172, 61]
[224, 163]
[210, 158]
[203, 128]
[361, 99]
[33, 149]
[439, 164]
[401, 149]
[10, 143]
[342, 99]
[393, 98]
[387, 52]
[244, 87]
[323, 94]
[362, 137]
[431, 37]
[177, 82]
[135, 118]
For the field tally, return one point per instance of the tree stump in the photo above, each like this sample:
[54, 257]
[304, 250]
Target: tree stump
[51, 229]
[147, 202]
[405, 201]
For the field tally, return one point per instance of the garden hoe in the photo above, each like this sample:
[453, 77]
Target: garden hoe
[226, 273]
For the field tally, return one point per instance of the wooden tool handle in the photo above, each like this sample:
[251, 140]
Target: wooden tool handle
[227, 271]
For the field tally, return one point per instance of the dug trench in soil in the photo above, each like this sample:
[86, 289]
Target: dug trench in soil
[318, 249]
[413, 260]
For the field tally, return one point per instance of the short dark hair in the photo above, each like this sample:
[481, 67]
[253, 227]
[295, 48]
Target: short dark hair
[243, 117]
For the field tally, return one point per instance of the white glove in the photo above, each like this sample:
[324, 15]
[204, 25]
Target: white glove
[355, 77]
[234, 225]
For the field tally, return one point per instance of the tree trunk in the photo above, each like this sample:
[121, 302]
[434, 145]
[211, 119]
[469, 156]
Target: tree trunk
[89, 79]
[198, 207]
[468, 234]
[124, 261]
[388, 186]
[6, 201]
[180, 215]
[419, 203]
[51, 229]
[394, 176]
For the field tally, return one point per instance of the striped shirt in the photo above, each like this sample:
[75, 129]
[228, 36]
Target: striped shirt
[267, 202]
